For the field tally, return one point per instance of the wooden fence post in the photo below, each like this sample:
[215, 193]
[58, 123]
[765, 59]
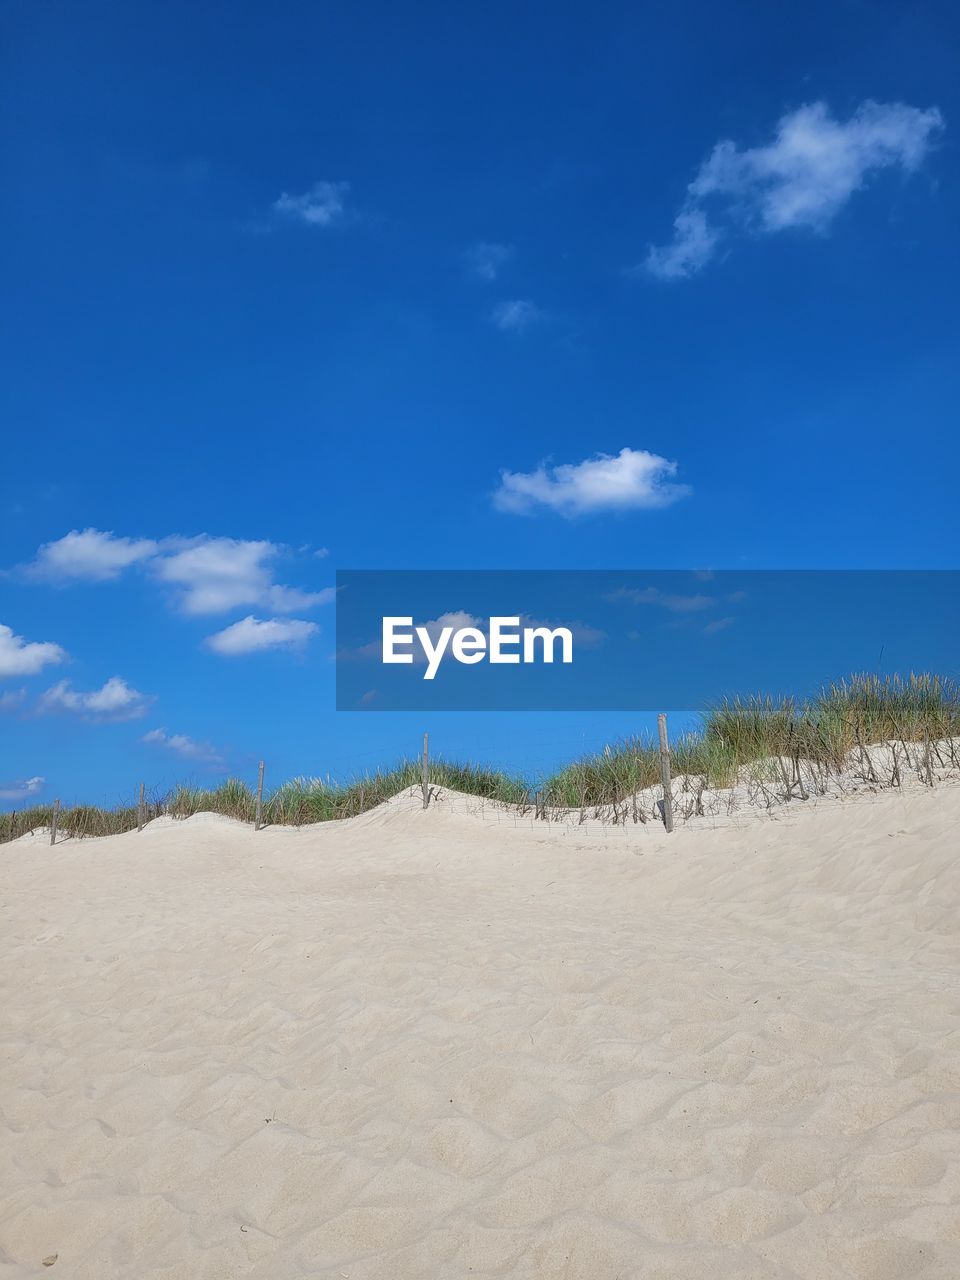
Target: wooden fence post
[53, 823]
[140, 814]
[425, 771]
[257, 819]
[665, 772]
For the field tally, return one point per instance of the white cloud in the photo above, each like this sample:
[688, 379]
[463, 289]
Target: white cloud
[183, 746]
[89, 555]
[632, 480]
[719, 624]
[584, 635]
[19, 657]
[218, 574]
[321, 206]
[252, 635]
[516, 316]
[21, 789]
[691, 248]
[486, 259]
[211, 575]
[664, 600]
[116, 700]
[455, 618]
[803, 178]
[11, 699]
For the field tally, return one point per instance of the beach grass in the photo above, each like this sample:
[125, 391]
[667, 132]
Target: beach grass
[77, 820]
[756, 735]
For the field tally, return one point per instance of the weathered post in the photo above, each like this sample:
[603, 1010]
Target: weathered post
[425, 771]
[259, 816]
[54, 821]
[665, 772]
[140, 814]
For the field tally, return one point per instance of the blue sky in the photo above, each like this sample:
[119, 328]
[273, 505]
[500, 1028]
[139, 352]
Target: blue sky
[538, 287]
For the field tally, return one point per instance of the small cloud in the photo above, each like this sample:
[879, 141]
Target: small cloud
[321, 553]
[663, 600]
[214, 575]
[11, 699]
[253, 635]
[692, 247]
[516, 316]
[456, 619]
[21, 789]
[116, 700]
[321, 206]
[632, 480]
[88, 555]
[486, 260]
[718, 624]
[19, 657]
[209, 574]
[584, 635]
[803, 178]
[183, 746]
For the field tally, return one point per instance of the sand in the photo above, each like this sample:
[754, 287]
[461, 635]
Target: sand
[445, 1044]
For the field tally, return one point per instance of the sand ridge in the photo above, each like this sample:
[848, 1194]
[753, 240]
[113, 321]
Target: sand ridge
[441, 1044]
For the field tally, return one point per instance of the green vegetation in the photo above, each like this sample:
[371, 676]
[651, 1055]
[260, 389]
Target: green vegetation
[295, 803]
[80, 820]
[759, 739]
[789, 745]
[306, 800]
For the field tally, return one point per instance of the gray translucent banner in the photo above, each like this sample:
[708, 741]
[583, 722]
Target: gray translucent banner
[552, 640]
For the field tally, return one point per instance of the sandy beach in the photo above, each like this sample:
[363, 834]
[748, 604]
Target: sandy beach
[448, 1044]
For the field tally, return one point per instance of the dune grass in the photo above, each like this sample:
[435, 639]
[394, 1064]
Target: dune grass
[752, 732]
[78, 820]
[770, 736]
[304, 800]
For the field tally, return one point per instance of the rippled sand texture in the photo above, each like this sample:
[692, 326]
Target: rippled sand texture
[432, 1045]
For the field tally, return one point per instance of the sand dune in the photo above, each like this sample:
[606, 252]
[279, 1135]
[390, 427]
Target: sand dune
[445, 1044]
